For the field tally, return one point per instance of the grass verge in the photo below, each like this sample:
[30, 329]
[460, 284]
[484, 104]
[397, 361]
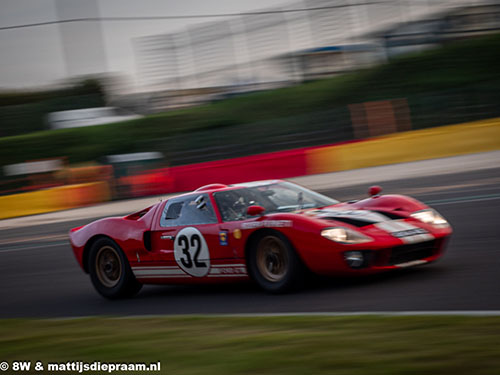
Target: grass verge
[265, 345]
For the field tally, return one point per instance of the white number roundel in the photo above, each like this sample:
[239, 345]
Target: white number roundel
[191, 252]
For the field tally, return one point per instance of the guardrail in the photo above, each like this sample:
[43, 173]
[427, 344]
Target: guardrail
[53, 199]
[445, 141]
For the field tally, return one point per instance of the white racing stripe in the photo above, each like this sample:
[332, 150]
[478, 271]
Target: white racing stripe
[168, 272]
[228, 275]
[216, 270]
[395, 226]
[363, 215]
[162, 276]
[418, 238]
[229, 271]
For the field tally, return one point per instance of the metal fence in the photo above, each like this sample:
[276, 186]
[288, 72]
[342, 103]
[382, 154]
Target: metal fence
[330, 126]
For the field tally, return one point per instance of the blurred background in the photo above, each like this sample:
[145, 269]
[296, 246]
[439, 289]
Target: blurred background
[119, 99]
[111, 100]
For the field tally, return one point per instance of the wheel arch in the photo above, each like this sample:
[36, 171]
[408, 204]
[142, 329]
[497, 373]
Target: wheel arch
[292, 279]
[259, 233]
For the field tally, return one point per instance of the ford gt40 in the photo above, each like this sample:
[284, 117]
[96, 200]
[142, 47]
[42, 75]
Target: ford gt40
[272, 232]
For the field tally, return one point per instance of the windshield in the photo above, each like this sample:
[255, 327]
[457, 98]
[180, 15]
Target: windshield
[274, 197]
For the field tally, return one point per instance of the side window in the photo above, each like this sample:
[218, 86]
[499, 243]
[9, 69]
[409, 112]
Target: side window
[233, 204]
[190, 210]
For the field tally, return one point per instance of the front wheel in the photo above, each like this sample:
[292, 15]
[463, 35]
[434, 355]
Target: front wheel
[110, 271]
[274, 265]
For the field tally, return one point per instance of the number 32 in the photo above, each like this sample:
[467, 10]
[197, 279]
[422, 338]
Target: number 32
[187, 245]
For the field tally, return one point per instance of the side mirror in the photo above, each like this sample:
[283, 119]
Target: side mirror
[255, 210]
[374, 190]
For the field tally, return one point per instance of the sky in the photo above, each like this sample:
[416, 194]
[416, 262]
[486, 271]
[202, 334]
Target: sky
[34, 57]
[37, 57]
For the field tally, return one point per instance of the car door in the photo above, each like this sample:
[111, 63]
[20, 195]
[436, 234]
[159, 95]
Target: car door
[185, 239]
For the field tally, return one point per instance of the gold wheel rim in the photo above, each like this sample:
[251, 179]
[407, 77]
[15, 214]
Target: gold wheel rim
[272, 259]
[108, 266]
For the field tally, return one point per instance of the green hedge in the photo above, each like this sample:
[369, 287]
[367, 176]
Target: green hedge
[25, 112]
[31, 117]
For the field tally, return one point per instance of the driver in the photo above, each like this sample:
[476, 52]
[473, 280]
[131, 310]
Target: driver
[232, 206]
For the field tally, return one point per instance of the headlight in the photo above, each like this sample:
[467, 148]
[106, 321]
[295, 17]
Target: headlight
[345, 235]
[430, 216]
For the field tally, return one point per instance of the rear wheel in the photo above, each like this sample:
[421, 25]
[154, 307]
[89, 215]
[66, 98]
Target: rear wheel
[110, 271]
[274, 265]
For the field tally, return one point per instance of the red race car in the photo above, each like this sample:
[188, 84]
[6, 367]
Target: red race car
[269, 231]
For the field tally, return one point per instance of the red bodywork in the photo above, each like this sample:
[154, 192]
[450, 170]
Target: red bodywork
[149, 247]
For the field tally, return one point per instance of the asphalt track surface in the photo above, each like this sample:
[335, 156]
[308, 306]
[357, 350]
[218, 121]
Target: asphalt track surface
[40, 277]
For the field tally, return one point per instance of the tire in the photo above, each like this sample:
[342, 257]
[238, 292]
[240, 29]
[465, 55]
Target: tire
[274, 265]
[110, 271]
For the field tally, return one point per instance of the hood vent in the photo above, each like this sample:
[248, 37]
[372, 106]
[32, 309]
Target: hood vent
[351, 221]
[391, 214]
[357, 218]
